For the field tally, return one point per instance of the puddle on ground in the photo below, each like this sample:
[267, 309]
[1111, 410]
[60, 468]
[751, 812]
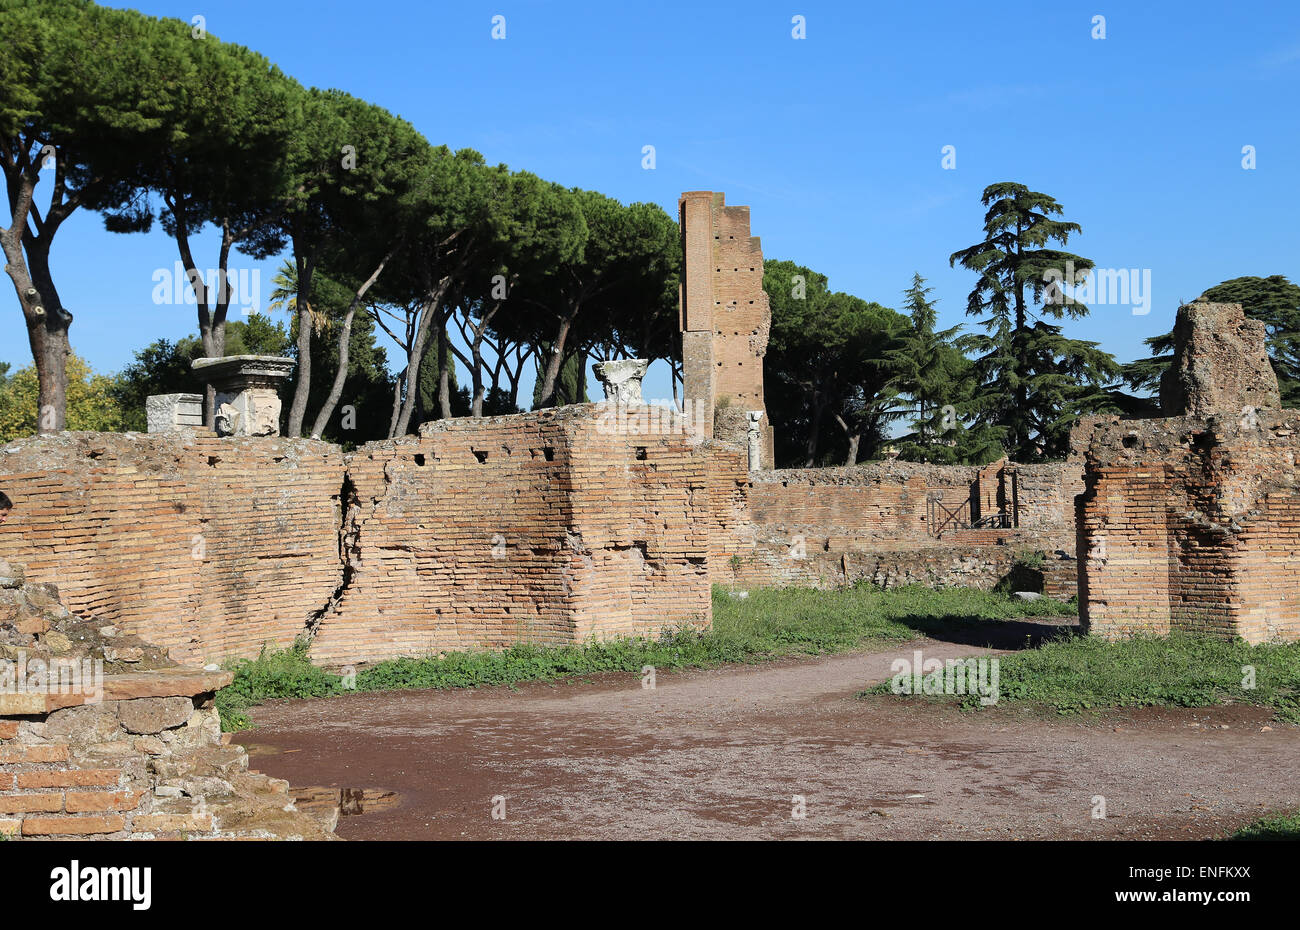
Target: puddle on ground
[349, 801]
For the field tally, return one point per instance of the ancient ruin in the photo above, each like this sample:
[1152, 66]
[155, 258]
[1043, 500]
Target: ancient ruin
[1192, 522]
[563, 525]
[725, 318]
[102, 735]
[621, 379]
[591, 520]
[165, 413]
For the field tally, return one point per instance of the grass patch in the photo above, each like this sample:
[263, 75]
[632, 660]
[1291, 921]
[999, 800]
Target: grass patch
[1077, 673]
[769, 623]
[1285, 827]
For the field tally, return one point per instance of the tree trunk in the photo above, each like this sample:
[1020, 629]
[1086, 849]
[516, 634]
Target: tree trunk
[476, 376]
[298, 409]
[514, 374]
[212, 321]
[47, 321]
[556, 361]
[855, 437]
[444, 386]
[446, 366]
[397, 402]
[336, 390]
[345, 342]
[814, 431]
[432, 307]
[47, 334]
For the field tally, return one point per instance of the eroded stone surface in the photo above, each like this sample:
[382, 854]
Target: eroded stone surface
[166, 413]
[247, 392]
[1191, 524]
[147, 716]
[136, 756]
[1220, 363]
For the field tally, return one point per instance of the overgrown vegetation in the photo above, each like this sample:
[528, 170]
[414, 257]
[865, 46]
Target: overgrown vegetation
[1078, 673]
[1030, 558]
[768, 624]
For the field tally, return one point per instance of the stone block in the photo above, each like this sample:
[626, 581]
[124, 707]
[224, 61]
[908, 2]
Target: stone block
[153, 715]
[166, 413]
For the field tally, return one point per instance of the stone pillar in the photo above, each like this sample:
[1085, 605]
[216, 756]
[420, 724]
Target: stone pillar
[167, 413]
[622, 379]
[248, 395]
[754, 437]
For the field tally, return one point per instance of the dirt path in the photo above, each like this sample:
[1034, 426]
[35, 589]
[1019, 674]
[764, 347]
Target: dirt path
[721, 754]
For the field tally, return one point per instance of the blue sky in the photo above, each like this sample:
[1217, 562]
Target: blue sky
[835, 141]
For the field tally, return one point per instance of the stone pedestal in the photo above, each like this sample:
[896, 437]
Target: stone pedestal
[622, 379]
[167, 413]
[248, 392]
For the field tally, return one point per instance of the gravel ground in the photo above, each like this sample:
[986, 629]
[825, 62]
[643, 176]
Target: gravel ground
[722, 753]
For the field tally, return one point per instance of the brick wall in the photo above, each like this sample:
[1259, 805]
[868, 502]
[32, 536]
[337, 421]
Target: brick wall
[547, 527]
[1191, 523]
[828, 526]
[541, 527]
[207, 547]
[131, 754]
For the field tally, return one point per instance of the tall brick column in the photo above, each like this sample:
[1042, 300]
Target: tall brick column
[725, 317]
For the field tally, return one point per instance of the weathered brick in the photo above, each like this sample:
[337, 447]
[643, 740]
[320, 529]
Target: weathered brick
[69, 778]
[1193, 522]
[20, 754]
[725, 318]
[28, 803]
[72, 826]
[87, 801]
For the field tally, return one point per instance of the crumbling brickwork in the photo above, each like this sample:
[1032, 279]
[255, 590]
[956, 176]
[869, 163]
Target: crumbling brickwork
[725, 317]
[1192, 522]
[548, 527]
[101, 736]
